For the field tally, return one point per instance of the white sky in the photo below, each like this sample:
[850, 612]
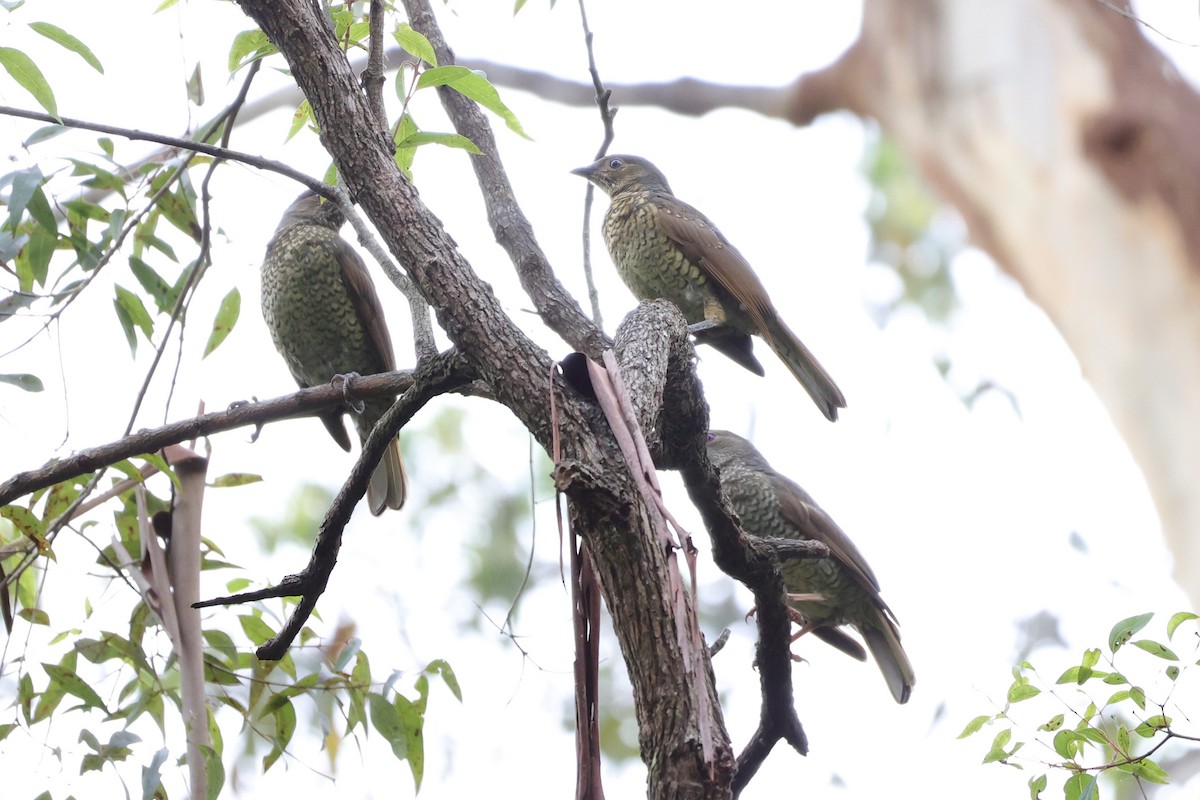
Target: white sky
[965, 516]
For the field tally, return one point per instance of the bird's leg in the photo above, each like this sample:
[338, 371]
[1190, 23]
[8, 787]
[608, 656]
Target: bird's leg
[357, 406]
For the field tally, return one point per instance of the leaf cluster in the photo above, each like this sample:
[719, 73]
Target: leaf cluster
[1092, 737]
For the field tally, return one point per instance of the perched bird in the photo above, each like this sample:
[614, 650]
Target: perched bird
[326, 320]
[662, 247]
[827, 592]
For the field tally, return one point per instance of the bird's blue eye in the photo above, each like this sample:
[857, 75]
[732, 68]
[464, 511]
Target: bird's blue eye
[712, 438]
[614, 163]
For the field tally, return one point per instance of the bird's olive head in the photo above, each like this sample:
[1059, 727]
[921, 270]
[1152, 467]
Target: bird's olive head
[725, 448]
[312, 209]
[617, 174]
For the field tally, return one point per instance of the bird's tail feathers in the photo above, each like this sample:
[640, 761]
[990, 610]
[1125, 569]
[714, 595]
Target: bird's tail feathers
[389, 483]
[884, 643]
[808, 371]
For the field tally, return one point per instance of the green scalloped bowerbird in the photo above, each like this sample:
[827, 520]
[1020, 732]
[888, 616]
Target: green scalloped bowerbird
[325, 319]
[664, 248]
[825, 592]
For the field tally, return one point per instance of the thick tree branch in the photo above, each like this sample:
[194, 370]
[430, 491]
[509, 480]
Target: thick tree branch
[658, 366]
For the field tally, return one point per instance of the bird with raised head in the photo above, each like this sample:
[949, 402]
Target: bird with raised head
[325, 319]
[664, 248]
[825, 592]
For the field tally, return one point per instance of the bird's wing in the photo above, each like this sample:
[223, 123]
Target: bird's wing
[800, 510]
[704, 246]
[366, 302]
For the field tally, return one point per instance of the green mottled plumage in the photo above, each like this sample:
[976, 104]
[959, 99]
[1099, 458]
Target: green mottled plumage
[662, 247]
[325, 319]
[842, 589]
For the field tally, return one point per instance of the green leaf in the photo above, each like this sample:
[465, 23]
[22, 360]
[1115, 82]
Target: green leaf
[1150, 771]
[1037, 786]
[1138, 696]
[440, 667]
[1124, 630]
[249, 46]
[285, 727]
[235, 479]
[178, 209]
[132, 313]
[255, 629]
[195, 86]
[1053, 724]
[1079, 675]
[214, 772]
[1152, 725]
[1022, 691]
[39, 251]
[72, 684]
[227, 316]
[405, 128]
[23, 380]
[415, 43]
[1156, 649]
[59, 36]
[474, 86]
[974, 725]
[1172, 672]
[997, 751]
[349, 651]
[1081, 786]
[1177, 620]
[302, 117]
[25, 521]
[155, 285]
[34, 616]
[387, 721]
[446, 139]
[152, 776]
[1091, 657]
[24, 183]
[412, 719]
[22, 70]
[1068, 744]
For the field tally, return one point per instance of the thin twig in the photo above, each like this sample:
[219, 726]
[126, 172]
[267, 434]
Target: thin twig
[173, 141]
[305, 402]
[606, 119]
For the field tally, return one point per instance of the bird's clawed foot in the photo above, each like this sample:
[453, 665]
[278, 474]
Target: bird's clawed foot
[357, 406]
[703, 327]
[236, 404]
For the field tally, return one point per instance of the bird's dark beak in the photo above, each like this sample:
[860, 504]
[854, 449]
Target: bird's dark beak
[586, 172]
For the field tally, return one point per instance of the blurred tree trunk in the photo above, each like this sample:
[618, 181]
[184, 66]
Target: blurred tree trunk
[1068, 143]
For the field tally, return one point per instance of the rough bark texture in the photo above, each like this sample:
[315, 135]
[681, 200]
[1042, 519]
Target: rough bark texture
[1068, 142]
[605, 507]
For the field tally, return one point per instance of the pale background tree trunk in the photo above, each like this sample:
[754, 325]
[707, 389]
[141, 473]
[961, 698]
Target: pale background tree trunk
[1066, 140]
[1068, 143]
